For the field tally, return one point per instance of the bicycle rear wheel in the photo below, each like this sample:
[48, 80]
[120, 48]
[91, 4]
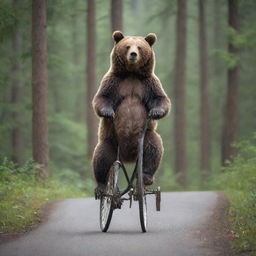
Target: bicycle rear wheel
[140, 189]
[106, 205]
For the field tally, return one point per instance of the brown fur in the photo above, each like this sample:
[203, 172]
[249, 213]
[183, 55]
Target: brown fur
[129, 93]
[119, 63]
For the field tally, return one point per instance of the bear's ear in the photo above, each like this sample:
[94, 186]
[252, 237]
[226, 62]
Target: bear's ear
[117, 36]
[151, 38]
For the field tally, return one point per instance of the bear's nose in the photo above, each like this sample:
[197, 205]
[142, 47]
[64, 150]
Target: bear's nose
[133, 54]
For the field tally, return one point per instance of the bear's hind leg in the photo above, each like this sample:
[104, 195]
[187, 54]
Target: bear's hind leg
[153, 150]
[104, 156]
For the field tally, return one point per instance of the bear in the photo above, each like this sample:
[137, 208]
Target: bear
[129, 93]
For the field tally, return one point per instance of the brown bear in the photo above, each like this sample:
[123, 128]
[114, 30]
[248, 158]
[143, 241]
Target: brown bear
[129, 93]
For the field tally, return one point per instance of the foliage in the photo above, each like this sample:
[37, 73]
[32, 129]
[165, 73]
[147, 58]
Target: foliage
[68, 151]
[22, 195]
[8, 20]
[231, 60]
[239, 179]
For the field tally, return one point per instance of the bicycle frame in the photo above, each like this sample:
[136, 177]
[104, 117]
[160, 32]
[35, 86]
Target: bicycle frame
[140, 151]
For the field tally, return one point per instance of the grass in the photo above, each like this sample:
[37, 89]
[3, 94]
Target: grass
[239, 180]
[22, 194]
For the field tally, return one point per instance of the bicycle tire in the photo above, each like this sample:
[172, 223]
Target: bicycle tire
[106, 206]
[140, 189]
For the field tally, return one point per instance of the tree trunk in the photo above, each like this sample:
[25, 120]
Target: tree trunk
[75, 33]
[180, 95]
[79, 112]
[116, 15]
[217, 37]
[92, 122]
[229, 134]
[204, 102]
[16, 95]
[39, 87]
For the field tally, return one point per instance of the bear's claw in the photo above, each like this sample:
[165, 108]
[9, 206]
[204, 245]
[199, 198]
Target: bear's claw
[107, 112]
[148, 179]
[99, 190]
[156, 113]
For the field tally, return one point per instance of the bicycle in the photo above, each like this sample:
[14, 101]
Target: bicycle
[112, 197]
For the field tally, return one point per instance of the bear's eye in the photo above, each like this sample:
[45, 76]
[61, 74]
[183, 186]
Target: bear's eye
[139, 48]
[127, 47]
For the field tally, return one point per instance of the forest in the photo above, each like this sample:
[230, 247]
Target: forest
[53, 57]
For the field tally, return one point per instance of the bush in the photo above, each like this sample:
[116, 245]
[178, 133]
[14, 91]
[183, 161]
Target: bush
[22, 194]
[239, 179]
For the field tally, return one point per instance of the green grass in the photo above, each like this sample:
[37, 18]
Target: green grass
[22, 194]
[239, 180]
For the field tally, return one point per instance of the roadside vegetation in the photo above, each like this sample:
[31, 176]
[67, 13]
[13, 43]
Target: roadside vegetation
[22, 194]
[239, 180]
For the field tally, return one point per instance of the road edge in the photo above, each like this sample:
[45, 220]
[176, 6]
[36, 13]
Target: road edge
[215, 232]
[44, 213]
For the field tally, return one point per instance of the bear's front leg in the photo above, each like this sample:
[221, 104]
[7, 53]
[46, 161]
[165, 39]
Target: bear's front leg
[103, 107]
[159, 107]
[158, 103]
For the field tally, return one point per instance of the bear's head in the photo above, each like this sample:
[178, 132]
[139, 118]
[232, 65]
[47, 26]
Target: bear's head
[133, 54]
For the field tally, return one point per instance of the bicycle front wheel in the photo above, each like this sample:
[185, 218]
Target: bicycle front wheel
[106, 212]
[106, 205]
[140, 190]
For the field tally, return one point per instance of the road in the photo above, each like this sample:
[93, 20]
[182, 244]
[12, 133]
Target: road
[72, 229]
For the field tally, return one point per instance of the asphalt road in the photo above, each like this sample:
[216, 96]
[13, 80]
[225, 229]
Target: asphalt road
[72, 229]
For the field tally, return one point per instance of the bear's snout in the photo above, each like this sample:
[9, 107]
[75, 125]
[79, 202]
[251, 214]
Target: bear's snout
[133, 54]
[133, 57]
